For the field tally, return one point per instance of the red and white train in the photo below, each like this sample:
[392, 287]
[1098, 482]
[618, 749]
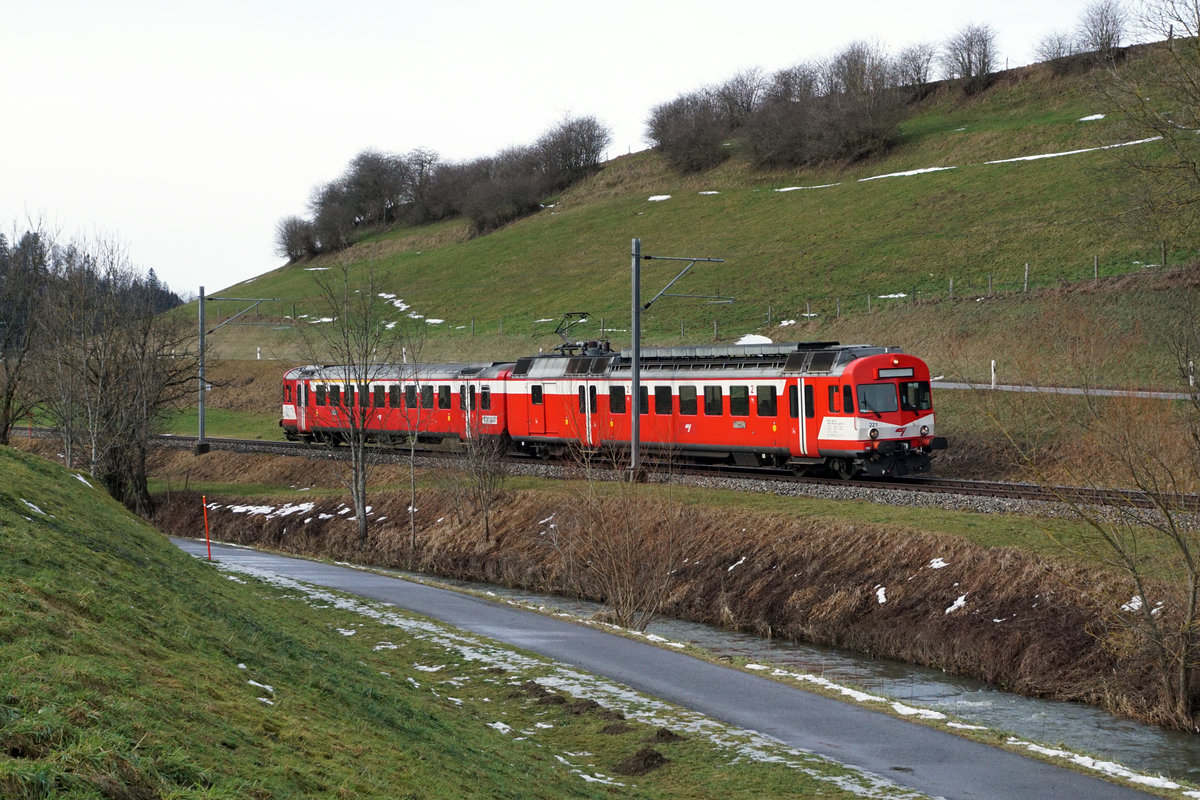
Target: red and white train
[854, 409]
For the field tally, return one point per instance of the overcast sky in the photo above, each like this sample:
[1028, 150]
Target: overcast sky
[187, 130]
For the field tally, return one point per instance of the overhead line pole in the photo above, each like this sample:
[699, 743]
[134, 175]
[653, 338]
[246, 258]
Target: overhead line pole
[635, 426]
[201, 443]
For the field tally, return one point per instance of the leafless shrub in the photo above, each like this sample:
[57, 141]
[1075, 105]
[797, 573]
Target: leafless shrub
[689, 131]
[295, 238]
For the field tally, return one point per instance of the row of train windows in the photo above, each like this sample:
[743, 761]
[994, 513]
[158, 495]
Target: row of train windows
[391, 396]
[690, 401]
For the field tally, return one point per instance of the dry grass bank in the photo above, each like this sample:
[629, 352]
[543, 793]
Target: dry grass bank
[1017, 620]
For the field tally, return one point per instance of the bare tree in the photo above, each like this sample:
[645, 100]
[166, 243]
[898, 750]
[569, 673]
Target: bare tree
[914, 65]
[1102, 27]
[738, 97]
[970, 55]
[24, 267]
[114, 364]
[1054, 45]
[572, 149]
[360, 343]
[1158, 97]
[1153, 539]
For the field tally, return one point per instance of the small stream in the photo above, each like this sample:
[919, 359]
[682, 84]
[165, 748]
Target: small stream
[1078, 728]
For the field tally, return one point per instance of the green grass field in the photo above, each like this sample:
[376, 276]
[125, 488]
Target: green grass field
[133, 670]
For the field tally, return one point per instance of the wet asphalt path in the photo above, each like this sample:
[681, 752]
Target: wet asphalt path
[928, 760]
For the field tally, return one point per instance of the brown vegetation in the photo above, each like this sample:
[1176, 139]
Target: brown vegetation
[1025, 623]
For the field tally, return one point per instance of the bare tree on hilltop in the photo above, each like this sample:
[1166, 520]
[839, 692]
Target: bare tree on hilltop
[970, 55]
[1102, 27]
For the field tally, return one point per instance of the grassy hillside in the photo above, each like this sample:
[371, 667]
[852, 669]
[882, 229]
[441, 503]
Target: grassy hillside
[836, 238]
[134, 671]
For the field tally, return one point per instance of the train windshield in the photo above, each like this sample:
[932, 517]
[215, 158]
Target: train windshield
[877, 398]
[914, 396]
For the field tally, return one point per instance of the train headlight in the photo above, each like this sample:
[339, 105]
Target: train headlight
[924, 430]
[874, 433]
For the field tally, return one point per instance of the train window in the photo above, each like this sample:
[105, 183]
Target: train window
[462, 399]
[335, 395]
[485, 398]
[287, 393]
[643, 400]
[848, 399]
[535, 395]
[592, 398]
[410, 396]
[616, 399]
[364, 396]
[833, 400]
[713, 404]
[662, 400]
[766, 401]
[426, 397]
[394, 395]
[473, 399]
[794, 402]
[582, 400]
[320, 394]
[877, 398]
[739, 401]
[810, 407]
[443, 396]
[687, 401]
[914, 396]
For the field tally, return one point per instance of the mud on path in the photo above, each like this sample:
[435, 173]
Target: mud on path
[1021, 622]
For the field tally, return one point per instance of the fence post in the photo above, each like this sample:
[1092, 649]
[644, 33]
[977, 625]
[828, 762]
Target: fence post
[808, 309]
[868, 304]
[989, 284]
[1027, 276]
[952, 288]
[993, 373]
[1162, 248]
[1095, 267]
[839, 308]
[768, 315]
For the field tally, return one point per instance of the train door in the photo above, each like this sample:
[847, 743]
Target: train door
[302, 405]
[586, 393]
[537, 407]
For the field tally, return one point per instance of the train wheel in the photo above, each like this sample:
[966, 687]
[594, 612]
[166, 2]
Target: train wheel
[843, 468]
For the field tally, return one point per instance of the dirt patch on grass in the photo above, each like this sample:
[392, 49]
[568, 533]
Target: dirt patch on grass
[1019, 621]
[645, 760]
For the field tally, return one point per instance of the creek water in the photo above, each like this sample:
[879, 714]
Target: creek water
[1075, 727]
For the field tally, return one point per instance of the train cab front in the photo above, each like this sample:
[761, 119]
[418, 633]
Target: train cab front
[893, 430]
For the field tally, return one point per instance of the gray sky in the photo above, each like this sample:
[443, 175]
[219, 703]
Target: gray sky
[187, 130]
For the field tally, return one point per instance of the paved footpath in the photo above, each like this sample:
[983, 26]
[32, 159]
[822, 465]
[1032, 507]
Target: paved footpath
[931, 761]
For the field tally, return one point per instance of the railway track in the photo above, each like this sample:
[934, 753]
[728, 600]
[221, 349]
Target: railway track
[1079, 495]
